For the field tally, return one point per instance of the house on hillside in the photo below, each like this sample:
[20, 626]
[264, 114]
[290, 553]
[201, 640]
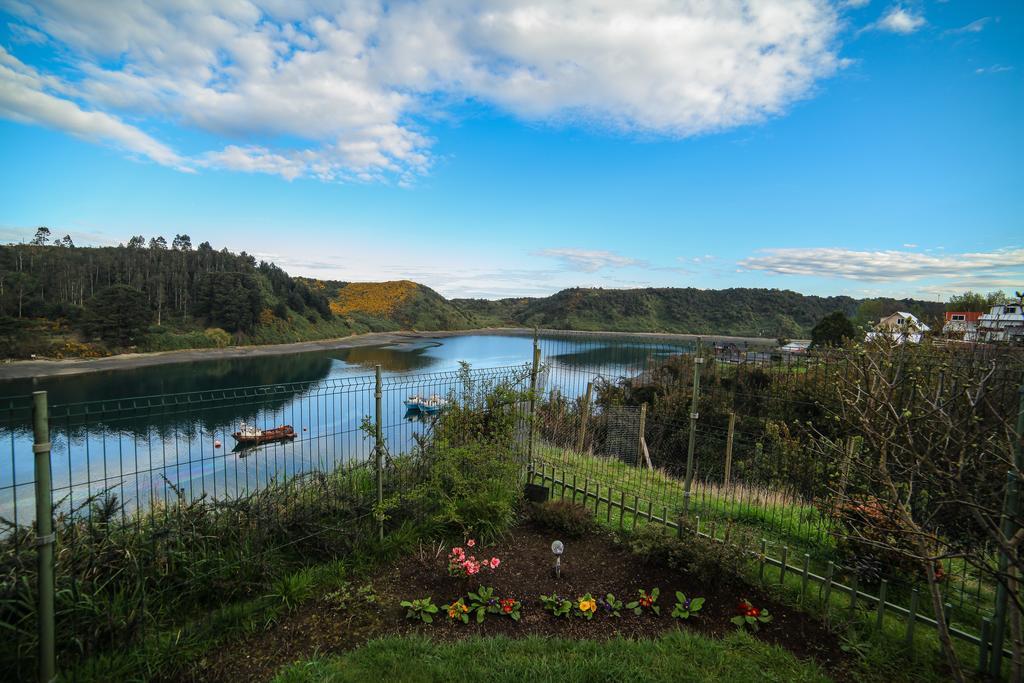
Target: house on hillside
[960, 324]
[900, 327]
[1003, 323]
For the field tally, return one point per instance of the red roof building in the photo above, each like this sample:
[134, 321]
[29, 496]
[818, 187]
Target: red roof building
[961, 324]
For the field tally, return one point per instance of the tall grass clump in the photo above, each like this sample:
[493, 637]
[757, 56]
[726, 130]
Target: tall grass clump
[119, 573]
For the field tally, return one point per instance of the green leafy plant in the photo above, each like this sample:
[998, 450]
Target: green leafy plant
[422, 609]
[482, 602]
[646, 601]
[610, 605]
[556, 604]
[686, 607]
[457, 611]
[292, 590]
[749, 616]
[347, 596]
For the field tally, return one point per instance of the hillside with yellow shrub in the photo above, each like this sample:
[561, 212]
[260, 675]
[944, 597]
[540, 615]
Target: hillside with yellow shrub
[401, 303]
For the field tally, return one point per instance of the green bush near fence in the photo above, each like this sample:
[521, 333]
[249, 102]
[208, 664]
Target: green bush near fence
[119, 573]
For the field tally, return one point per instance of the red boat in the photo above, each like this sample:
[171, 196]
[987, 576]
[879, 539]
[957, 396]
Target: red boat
[250, 436]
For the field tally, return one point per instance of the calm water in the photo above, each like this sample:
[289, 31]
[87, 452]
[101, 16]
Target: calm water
[107, 439]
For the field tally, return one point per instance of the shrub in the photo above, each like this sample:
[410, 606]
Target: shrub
[569, 519]
[218, 337]
[473, 462]
[712, 563]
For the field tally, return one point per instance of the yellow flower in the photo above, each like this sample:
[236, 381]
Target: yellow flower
[588, 606]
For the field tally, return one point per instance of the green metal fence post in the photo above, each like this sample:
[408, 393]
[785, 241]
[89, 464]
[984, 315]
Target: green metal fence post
[692, 445]
[533, 398]
[378, 446]
[986, 629]
[883, 589]
[915, 596]
[44, 537]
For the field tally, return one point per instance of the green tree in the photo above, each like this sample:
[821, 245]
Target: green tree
[118, 314]
[229, 300]
[834, 329]
[42, 236]
[975, 301]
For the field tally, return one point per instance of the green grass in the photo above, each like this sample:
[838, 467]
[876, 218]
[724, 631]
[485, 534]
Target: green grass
[678, 656]
[775, 516]
[881, 654]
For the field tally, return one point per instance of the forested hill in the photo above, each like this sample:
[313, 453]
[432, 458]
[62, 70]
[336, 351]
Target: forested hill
[744, 312]
[58, 300]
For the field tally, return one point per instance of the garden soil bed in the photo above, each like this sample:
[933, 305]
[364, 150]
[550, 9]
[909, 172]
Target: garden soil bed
[593, 565]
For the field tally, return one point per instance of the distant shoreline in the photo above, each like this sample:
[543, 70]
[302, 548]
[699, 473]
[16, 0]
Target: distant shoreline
[26, 369]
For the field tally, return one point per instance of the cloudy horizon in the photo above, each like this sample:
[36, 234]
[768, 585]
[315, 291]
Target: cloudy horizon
[507, 149]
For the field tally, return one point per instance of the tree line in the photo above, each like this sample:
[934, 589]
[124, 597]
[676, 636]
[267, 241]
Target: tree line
[115, 293]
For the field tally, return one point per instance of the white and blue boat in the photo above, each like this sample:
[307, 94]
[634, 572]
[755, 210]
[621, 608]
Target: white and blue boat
[428, 405]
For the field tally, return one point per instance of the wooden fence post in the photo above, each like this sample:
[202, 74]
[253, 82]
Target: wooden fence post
[584, 417]
[728, 449]
[692, 445]
[44, 537]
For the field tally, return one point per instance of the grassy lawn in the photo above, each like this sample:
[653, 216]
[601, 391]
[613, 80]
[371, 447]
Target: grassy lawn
[773, 515]
[782, 522]
[678, 656]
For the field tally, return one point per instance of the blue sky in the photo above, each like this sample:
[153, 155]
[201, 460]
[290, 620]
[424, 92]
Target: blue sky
[501, 149]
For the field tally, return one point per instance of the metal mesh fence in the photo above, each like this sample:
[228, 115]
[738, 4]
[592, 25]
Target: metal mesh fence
[768, 466]
[159, 507]
[620, 423]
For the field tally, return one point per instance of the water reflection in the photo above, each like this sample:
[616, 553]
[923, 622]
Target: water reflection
[179, 432]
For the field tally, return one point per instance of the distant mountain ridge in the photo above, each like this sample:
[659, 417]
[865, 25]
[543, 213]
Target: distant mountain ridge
[59, 300]
[738, 311]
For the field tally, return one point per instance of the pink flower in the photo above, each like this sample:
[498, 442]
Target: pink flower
[495, 562]
[471, 543]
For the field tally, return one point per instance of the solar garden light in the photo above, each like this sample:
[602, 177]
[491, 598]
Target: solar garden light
[558, 548]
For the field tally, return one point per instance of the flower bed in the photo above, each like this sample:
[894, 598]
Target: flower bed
[592, 565]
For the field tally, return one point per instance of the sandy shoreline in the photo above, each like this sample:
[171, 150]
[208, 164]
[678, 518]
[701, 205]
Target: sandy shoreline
[23, 369]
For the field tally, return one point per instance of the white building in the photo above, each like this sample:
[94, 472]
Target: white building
[1003, 323]
[900, 327]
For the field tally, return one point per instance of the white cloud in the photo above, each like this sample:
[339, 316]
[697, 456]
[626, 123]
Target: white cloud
[339, 90]
[899, 20]
[976, 26]
[994, 69]
[886, 266]
[27, 96]
[856, 4]
[589, 260]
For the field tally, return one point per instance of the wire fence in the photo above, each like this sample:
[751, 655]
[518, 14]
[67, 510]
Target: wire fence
[626, 430]
[161, 505]
[157, 498]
